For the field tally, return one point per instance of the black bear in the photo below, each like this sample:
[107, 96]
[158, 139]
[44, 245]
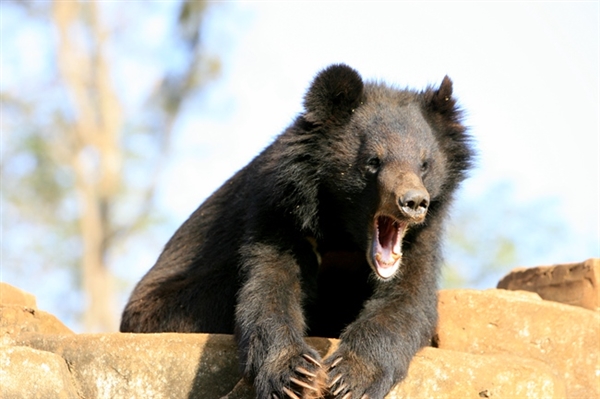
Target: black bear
[333, 230]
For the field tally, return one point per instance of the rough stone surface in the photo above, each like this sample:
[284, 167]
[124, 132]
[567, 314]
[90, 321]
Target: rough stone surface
[567, 338]
[16, 320]
[492, 344]
[28, 373]
[145, 365]
[573, 284]
[19, 314]
[10, 295]
[444, 374]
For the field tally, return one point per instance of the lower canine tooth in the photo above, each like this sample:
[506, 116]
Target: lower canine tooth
[395, 258]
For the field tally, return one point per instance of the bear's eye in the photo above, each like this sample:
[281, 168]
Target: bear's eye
[424, 166]
[373, 164]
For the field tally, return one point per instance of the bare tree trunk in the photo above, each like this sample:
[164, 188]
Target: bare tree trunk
[93, 151]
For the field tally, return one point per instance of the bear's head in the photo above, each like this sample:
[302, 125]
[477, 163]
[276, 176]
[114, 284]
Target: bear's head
[388, 160]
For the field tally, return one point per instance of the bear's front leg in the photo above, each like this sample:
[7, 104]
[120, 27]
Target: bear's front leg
[375, 350]
[270, 327]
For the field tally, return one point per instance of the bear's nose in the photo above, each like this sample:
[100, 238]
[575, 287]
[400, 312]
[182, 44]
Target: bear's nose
[414, 203]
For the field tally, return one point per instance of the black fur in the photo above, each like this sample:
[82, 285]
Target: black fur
[288, 246]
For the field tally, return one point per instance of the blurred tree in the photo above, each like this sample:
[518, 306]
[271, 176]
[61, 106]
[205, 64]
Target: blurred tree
[68, 142]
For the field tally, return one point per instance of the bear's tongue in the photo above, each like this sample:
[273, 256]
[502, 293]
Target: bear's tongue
[387, 246]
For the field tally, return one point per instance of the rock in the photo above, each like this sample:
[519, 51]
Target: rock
[19, 314]
[16, 320]
[28, 373]
[445, 374]
[145, 365]
[205, 366]
[10, 295]
[442, 374]
[492, 344]
[572, 284]
[521, 323]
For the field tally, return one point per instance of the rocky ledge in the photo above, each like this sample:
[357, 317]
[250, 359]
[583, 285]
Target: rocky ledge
[495, 343]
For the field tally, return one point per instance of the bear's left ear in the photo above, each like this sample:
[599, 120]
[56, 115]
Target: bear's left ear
[440, 101]
[334, 94]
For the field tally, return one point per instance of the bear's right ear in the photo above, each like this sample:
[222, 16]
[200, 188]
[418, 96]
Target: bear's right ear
[334, 94]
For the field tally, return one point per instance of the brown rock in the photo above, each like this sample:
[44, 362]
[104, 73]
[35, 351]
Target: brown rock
[145, 365]
[16, 320]
[10, 295]
[444, 374]
[205, 366]
[572, 284]
[28, 373]
[567, 338]
[494, 343]
[19, 314]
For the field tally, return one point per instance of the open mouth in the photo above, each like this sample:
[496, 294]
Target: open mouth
[386, 249]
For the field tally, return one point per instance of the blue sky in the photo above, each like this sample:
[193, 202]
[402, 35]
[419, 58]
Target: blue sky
[525, 72]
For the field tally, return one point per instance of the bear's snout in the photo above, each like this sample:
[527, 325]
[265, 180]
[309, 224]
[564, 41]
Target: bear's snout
[414, 203]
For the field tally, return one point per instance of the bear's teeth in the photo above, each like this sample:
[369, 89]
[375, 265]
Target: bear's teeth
[391, 262]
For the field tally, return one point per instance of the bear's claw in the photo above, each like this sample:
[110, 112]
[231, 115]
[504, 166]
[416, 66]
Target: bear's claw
[307, 381]
[337, 386]
[290, 393]
[311, 360]
[340, 389]
[334, 381]
[303, 384]
[335, 363]
[305, 372]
